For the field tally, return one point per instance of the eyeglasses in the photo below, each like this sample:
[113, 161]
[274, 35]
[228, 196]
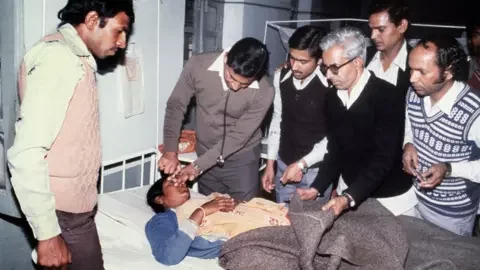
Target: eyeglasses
[333, 68]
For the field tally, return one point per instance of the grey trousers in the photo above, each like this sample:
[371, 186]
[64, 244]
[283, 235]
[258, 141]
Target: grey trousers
[239, 176]
[285, 192]
[461, 226]
[80, 233]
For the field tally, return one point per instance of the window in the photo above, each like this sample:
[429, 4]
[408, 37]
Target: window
[203, 33]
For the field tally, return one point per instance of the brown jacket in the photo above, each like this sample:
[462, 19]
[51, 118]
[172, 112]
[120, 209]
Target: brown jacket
[245, 111]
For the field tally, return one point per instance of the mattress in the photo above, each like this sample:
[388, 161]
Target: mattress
[121, 220]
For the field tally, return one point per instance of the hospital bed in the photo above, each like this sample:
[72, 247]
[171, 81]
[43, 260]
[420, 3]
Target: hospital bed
[122, 216]
[123, 212]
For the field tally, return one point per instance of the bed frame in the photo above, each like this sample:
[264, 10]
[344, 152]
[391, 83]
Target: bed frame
[142, 166]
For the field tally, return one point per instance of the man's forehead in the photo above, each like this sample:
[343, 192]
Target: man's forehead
[121, 20]
[335, 53]
[300, 54]
[424, 55]
[379, 19]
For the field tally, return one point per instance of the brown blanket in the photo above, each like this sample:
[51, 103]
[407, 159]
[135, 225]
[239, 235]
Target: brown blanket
[368, 238]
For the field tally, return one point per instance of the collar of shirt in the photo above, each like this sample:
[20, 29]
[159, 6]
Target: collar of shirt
[347, 99]
[446, 103]
[219, 65]
[399, 61]
[298, 83]
[72, 38]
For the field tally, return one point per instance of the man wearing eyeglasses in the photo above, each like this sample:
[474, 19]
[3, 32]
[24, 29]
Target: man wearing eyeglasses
[298, 123]
[364, 118]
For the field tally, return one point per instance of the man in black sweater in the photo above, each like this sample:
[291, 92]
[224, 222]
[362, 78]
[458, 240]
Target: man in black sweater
[365, 119]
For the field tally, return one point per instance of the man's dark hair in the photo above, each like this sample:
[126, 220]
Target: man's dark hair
[307, 37]
[248, 57]
[153, 192]
[397, 10]
[450, 55]
[75, 11]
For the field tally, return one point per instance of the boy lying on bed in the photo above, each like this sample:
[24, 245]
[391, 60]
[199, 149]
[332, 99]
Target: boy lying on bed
[198, 225]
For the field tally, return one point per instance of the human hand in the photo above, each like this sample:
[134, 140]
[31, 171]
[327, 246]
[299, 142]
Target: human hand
[169, 163]
[186, 173]
[337, 204]
[433, 176]
[410, 159]
[53, 253]
[267, 179]
[307, 194]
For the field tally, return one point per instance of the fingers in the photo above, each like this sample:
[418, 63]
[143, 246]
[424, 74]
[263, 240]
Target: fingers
[69, 257]
[267, 183]
[304, 196]
[432, 177]
[409, 165]
[328, 205]
[226, 204]
[169, 166]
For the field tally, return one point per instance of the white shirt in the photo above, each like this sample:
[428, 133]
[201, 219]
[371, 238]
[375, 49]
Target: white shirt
[219, 66]
[390, 75]
[320, 148]
[466, 169]
[399, 204]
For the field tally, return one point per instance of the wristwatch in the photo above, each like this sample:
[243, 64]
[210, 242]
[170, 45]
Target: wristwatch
[302, 167]
[197, 168]
[350, 200]
[449, 169]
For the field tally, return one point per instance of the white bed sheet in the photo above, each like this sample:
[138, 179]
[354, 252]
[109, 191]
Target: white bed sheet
[121, 220]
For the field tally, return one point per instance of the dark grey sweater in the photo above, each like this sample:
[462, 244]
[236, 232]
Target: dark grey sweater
[245, 111]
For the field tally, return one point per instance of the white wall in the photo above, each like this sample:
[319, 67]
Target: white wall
[232, 23]
[159, 34]
[242, 20]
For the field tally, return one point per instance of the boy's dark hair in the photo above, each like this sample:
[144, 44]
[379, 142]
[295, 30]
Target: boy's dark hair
[75, 11]
[248, 57]
[450, 55]
[307, 37]
[153, 192]
[397, 10]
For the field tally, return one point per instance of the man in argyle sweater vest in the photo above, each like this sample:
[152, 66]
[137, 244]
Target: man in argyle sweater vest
[442, 135]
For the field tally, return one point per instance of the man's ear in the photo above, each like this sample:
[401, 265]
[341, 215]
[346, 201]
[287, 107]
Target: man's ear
[319, 61]
[403, 26]
[358, 62]
[91, 20]
[447, 74]
[225, 57]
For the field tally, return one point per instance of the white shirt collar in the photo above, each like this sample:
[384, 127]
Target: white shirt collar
[219, 65]
[357, 89]
[307, 80]
[401, 58]
[445, 104]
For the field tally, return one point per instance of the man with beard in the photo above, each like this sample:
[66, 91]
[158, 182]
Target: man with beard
[56, 156]
[298, 122]
[442, 135]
